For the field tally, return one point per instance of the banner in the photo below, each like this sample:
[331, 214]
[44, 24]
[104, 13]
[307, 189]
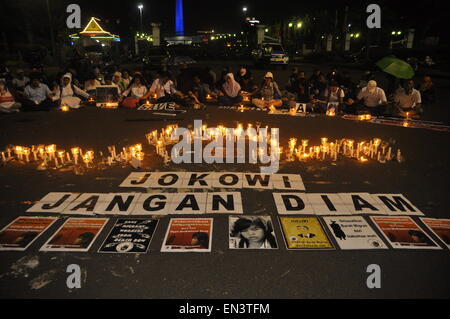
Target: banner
[439, 227]
[23, 231]
[353, 232]
[251, 232]
[304, 233]
[129, 236]
[403, 232]
[76, 234]
[188, 235]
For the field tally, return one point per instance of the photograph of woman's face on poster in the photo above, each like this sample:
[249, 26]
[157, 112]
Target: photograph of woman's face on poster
[251, 232]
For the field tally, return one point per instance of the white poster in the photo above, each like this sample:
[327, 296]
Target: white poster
[255, 180]
[167, 179]
[153, 204]
[198, 180]
[328, 204]
[118, 204]
[353, 232]
[54, 202]
[188, 203]
[293, 203]
[224, 202]
[87, 204]
[397, 204]
[227, 180]
[288, 182]
[362, 203]
[138, 179]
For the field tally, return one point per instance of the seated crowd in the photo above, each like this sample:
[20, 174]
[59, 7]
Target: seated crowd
[193, 87]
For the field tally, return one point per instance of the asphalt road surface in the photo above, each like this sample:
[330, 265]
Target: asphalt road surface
[423, 178]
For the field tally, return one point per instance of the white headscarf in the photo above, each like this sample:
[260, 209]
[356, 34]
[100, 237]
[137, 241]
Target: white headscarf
[231, 89]
[67, 75]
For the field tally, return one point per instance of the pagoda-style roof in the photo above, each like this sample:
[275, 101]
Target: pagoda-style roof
[95, 31]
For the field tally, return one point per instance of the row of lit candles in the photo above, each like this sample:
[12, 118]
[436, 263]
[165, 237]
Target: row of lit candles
[48, 154]
[362, 151]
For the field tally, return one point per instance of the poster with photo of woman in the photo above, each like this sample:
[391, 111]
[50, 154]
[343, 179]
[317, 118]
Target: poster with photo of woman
[251, 232]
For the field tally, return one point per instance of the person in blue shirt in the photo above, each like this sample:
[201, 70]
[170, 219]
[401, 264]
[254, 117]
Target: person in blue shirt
[37, 96]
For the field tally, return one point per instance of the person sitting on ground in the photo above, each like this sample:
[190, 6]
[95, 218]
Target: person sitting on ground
[68, 93]
[38, 96]
[407, 101]
[231, 90]
[372, 98]
[165, 91]
[269, 93]
[200, 89]
[20, 81]
[117, 80]
[126, 79]
[291, 86]
[91, 84]
[223, 78]
[8, 103]
[427, 91]
[241, 75]
[136, 92]
[333, 97]
[109, 81]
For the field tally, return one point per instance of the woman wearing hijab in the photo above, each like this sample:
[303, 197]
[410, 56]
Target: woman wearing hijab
[269, 93]
[67, 93]
[230, 91]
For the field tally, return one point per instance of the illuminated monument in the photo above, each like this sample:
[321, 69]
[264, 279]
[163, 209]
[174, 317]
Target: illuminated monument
[179, 37]
[179, 24]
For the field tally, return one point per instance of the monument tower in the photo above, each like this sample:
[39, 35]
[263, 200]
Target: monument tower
[179, 24]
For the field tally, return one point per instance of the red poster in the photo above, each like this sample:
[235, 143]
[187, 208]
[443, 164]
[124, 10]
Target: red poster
[403, 232]
[23, 231]
[76, 234]
[188, 234]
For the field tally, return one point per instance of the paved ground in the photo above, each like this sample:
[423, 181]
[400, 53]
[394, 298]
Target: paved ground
[224, 273]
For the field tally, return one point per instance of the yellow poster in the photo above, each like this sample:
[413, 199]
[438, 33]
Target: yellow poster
[304, 233]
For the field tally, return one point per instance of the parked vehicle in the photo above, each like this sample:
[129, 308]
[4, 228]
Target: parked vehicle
[270, 54]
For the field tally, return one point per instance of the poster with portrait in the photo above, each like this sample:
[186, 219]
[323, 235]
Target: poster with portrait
[353, 232]
[76, 234]
[129, 235]
[304, 233]
[23, 231]
[403, 232]
[251, 232]
[188, 235]
[439, 227]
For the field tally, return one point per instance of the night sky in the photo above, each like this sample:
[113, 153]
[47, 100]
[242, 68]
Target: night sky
[122, 17]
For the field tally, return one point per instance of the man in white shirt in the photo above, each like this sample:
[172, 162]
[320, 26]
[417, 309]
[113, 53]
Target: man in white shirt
[165, 90]
[408, 101]
[373, 98]
[38, 96]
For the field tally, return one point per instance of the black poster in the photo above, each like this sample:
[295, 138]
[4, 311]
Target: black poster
[130, 235]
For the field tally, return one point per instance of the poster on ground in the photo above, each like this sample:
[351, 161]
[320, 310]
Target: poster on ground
[304, 233]
[129, 235]
[439, 227]
[23, 231]
[251, 232]
[353, 232]
[76, 234]
[403, 232]
[188, 235]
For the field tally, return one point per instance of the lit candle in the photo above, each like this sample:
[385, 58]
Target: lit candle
[75, 152]
[86, 160]
[68, 156]
[3, 157]
[61, 156]
[388, 157]
[26, 152]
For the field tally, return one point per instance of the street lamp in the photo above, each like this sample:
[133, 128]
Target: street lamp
[290, 24]
[244, 9]
[299, 25]
[140, 7]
